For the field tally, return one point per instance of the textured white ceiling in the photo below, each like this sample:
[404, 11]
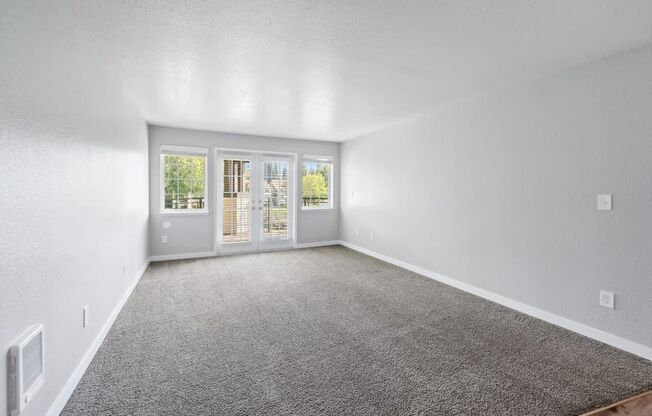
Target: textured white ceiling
[336, 69]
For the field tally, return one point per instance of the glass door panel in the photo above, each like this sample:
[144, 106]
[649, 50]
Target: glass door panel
[275, 199]
[275, 187]
[237, 222]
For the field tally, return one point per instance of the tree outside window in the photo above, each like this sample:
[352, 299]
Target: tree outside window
[316, 183]
[184, 181]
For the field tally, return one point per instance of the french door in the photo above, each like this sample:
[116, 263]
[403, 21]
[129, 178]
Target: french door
[255, 202]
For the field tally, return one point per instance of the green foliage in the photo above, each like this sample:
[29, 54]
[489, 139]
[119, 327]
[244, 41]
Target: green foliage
[314, 186]
[184, 177]
[315, 182]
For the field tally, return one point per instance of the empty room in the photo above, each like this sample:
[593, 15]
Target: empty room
[326, 207]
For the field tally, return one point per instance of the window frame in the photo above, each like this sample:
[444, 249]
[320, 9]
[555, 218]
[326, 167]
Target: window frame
[182, 151]
[321, 159]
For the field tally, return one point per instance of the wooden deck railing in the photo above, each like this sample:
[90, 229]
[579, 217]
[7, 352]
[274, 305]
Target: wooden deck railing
[185, 202]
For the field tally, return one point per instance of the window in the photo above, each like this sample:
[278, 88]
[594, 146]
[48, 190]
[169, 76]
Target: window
[317, 179]
[183, 179]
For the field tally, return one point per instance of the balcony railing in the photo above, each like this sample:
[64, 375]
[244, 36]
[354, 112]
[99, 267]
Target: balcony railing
[314, 201]
[189, 202]
[192, 202]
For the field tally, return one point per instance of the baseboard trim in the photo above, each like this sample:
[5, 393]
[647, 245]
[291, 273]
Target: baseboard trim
[317, 244]
[182, 256]
[580, 328]
[62, 398]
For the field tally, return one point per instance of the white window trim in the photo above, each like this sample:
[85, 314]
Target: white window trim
[318, 158]
[182, 151]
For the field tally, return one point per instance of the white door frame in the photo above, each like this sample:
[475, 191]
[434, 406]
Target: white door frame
[256, 242]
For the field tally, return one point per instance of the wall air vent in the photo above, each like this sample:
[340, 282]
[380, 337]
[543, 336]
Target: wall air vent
[25, 369]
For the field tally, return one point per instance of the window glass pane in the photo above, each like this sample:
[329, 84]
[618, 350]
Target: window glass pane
[184, 178]
[236, 209]
[316, 180]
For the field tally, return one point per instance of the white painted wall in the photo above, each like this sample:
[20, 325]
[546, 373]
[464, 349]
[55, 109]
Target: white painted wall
[74, 189]
[196, 233]
[500, 192]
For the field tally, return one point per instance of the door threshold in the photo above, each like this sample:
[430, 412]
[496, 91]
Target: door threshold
[639, 405]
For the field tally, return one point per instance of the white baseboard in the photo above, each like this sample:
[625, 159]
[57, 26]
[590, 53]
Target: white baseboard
[583, 329]
[317, 244]
[65, 393]
[182, 256]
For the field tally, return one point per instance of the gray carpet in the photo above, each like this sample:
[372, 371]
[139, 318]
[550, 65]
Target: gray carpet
[328, 331]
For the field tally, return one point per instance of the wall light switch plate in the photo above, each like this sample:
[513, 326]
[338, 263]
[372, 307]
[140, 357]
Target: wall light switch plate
[164, 239]
[604, 202]
[607, 299]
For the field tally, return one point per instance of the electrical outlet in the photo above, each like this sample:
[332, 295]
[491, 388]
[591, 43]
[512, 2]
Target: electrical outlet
[85, 316]
[604, 202]
[124, 271]
[357, 233]
[371, 236]
[607, 299]
[164, 239]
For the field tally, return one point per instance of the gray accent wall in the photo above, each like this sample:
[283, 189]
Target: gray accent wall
[196, 233]
[499, 192]
[74, 190]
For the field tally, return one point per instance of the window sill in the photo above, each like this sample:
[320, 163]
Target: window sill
[184, 212]
[317, 209]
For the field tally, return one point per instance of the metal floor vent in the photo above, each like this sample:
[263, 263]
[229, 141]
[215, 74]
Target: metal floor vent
[26, 369]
